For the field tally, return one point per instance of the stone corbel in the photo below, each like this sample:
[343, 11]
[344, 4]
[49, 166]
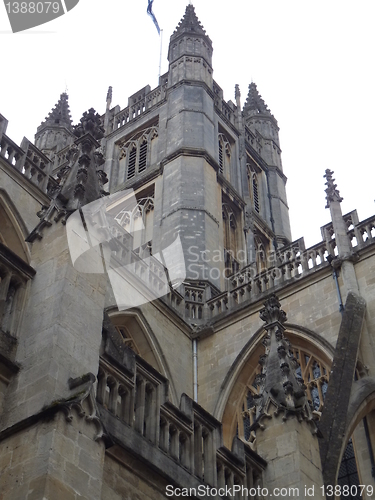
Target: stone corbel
[84, 402]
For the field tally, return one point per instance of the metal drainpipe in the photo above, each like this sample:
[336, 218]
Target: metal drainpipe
[195, 370]
[330, 258]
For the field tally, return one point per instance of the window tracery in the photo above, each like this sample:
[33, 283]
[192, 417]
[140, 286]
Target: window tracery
[313, 371]
[230, 239]
[138, 222]
[127, 338]
[254, 191]
[224, 153]
[135, 153]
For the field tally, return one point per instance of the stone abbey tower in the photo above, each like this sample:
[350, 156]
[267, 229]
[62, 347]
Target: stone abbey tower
[161, 334]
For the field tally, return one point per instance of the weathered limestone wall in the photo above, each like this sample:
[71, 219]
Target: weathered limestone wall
[292, 453]
[126, 477]
[52, 459]
[176, 347]
[61, 330]
[19, 192]
[365, 272]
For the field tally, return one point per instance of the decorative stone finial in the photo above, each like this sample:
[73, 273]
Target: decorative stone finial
[60, 114]
[333, 194]
[189, 23]
[254, 103]
[272, 312]
[237, 92]
[81, 179]
[109, 97]
[90, 123]
[279, 388]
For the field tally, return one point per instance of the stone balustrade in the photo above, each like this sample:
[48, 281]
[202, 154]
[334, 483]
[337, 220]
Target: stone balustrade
[28, 160]
[291, 262]
[142, 101]
[135, 394]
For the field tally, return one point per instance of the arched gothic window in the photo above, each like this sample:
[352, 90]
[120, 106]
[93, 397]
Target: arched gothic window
[253, 179]
[262, 251]
[224, 154]
[139, 222]
[135, 153]
[230, 240]
[313, 371]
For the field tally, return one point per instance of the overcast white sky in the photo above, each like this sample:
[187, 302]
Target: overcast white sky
[313, 63]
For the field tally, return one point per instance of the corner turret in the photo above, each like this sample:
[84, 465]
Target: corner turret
[56, 132]
[190, 51]
[259, 118]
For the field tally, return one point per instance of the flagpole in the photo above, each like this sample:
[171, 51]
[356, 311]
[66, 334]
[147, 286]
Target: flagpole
[161, 46]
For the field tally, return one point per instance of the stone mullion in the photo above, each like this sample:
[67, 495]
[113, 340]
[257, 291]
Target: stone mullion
[102, 385]
[198, 450]
[220, 476]
[249, 476]
[229, 480]
[164, 437]
[174, 442]
[4, 287]
[8, 308]
[209, 458]
[150, 413]
[140, 405]
[113, 396]
[157, 415]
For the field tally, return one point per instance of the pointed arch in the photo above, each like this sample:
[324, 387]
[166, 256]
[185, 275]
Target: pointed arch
[225, 152]
[13, 230]
[139, 332]
[254, 176]
[235, 385]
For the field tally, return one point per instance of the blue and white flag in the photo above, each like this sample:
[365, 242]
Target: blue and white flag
[150, 13]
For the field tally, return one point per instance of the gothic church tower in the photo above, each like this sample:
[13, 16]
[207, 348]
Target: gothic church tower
[212, 170]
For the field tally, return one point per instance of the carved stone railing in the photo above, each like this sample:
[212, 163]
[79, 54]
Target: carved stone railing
[135, 394]
[291, 262]
[360, 234]
[28, 160]
[142, 101]
[10, 151]
[364, 232]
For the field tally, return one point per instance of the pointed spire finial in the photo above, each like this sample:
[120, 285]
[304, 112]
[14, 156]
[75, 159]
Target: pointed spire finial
[333, 194]
[254, 103]
[189, 23]
[60, 114]
[109, 97]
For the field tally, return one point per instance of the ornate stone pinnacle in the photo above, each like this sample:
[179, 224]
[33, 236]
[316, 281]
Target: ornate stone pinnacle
[333, 194]
[279, 388]
[81, 180]
[189, 23]
[90, 123]
[237, 92]
[272, 312]
[254, 103]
